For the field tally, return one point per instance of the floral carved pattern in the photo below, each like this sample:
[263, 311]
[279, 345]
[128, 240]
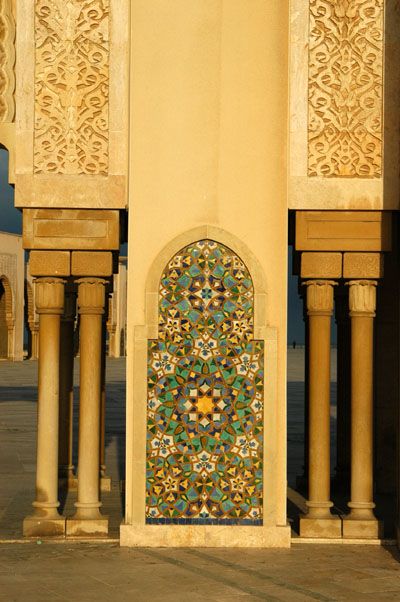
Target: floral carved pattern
[71, 86]
[7, 62]
[345, 88]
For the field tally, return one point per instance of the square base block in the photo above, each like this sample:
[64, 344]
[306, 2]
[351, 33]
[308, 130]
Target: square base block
[204, 536]
[105, 484]
[96, 527]
[354, 528]
[324, 528]
[40, 527]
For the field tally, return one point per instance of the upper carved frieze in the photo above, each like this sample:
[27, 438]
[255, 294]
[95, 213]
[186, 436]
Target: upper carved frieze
[71, 86]
[7, 62]
[345, 88]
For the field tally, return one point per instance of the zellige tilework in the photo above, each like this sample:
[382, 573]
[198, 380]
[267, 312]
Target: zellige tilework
[205, 394]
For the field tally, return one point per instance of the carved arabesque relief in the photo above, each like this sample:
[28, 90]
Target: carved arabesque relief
[345, 88]
[7, 62]
[71, 86]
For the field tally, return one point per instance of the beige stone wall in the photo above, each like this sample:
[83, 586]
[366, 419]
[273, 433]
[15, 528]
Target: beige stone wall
[12, 270]
[208, 147]
[117, 341]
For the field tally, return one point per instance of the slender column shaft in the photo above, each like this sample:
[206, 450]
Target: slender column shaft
[67, 388]
[320, 308]
[50, 301]
[362, 301]
[91, 297]
[342, 477]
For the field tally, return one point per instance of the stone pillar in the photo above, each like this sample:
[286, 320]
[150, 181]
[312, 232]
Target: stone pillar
[46, 520]
[302, 479]
[105, 481]
[342, 470]
[34, 328]
[361, 522]
[319, 522]
[66, 467]
[111, 327]
[88, 521]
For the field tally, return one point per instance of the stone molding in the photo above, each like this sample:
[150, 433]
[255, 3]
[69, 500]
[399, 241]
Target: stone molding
[49, 295]
[362, 298]
[91, 295]
[320, 297]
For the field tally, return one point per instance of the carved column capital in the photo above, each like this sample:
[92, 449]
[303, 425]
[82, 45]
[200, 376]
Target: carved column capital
[49, 295]
[320, 297]
[91, 295]
[362, 297]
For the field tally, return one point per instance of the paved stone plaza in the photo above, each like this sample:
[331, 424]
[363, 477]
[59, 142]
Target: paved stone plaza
[43, 571]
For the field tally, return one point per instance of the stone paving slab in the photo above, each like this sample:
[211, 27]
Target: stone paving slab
[104, 572]
[107, 573]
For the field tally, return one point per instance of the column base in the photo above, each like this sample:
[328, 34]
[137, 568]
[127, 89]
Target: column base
[87, 527]
[105, 484]
[322, 528]
[362, 528]
[34, 526]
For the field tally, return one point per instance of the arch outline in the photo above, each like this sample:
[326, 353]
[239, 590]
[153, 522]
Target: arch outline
[188, 237]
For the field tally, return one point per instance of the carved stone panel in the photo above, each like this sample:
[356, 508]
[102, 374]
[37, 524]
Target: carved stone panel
[7, 62]
[345, 118]
[71, 131]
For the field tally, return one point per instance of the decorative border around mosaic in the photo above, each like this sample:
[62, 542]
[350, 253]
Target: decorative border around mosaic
[205, 394]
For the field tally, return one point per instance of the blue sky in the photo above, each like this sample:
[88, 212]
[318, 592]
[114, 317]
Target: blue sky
[11, 221]
[10, 218]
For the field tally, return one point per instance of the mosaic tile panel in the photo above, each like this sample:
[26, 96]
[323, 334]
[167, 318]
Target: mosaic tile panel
[205, 394]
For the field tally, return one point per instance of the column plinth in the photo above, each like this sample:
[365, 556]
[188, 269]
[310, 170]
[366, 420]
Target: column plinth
[319, 522]
[88, 520]
[361, 521]
[45, 520]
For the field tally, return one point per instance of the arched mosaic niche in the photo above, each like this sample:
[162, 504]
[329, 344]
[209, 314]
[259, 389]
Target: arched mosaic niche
[205, 394]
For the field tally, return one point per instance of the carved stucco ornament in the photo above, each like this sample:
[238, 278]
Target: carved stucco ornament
[345, 115]
[71, 87]
[7, 62]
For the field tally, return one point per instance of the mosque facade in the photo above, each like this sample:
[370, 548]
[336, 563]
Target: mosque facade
[210, 136]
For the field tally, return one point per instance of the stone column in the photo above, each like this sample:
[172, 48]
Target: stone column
[105, 481]
[361, 522]
[34, 328]
[46, 520]
[342, 470]
[66, 467]
[302, 479]
[319, 522]
[88, 521]
[111, 327]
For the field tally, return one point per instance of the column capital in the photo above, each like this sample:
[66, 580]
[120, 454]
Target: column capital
[320, 297]
[91, 295]
[49, 295]
[362, 297]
